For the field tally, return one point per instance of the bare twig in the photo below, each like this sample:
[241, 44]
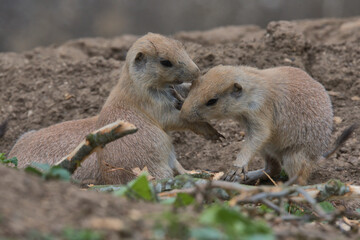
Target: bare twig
[272, 205]
[315, 206]
[331, 190]
[94, 141]
[272, 180]
[311, 195]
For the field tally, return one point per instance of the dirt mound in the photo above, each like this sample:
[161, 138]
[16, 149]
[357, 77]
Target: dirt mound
[31, 208]
[51, 84]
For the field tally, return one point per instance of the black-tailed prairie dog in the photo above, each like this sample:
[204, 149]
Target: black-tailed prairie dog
[144, 97]
[287, 116]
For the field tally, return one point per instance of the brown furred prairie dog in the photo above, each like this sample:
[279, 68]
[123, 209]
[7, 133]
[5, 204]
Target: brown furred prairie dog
[144, 97]
[287, 116]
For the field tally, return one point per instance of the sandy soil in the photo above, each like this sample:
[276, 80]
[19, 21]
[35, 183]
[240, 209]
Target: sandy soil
[36, 85]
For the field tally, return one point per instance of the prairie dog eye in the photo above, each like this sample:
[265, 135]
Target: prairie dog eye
[212, 102]
[166, 63]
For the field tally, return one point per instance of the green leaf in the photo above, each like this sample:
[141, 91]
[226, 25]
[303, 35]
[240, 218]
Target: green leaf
[142, 188]
[172, 226]
[295, 210]
[44, 167]
[121, 191]
[206, 233]
[49, 172]
[265, 209]
[168, 201]
[327, 206]
[107, 188]
[220, 214]
[183, 199]
[37, 235]
[57, 172]
[234, 223]
[13, 160]
[83, 234]
[5, 161]
[139, 188]
[283, 175]
[33, 170]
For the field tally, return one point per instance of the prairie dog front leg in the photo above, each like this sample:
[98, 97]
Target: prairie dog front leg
[257, 136]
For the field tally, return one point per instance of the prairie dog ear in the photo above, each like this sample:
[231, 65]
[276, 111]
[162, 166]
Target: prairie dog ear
[237, 90]
[140, 60]
[139, 57]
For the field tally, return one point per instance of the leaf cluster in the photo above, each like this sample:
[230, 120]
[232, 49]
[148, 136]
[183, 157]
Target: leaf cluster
[48, 172]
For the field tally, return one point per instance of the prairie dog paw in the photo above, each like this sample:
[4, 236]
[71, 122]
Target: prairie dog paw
[235, 174]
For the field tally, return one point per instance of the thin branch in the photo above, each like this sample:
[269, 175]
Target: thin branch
[272, 205]
[272, 180]
[94, 141]
[315, 206]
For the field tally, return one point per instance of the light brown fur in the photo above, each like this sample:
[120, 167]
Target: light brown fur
[287, 115]
[51, 144]
[143, 96]
[144, 100]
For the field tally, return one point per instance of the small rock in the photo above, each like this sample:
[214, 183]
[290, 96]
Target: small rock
[30, 112]
[332, 93]
[355, 98]
[109, 223]
[67, 96]
[337, 120]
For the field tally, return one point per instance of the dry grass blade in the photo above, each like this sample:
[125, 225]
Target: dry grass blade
[272, 180]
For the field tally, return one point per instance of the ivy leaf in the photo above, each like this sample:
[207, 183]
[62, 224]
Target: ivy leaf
[138, 188]
[57, 172]
[33, 170]
[141, 187]
[234, 223]
[5, 161]
[44, 167]
[206, 233]
[295, 210]
[327, 207]
[265, 209]
[183, 199]
[82, 234]
[168, 201]
[48, 172]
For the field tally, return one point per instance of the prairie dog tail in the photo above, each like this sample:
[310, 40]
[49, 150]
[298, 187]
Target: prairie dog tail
[345, 135]
[3, 126]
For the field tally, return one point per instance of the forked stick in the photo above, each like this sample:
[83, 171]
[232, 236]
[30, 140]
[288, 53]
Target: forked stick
[94, 141]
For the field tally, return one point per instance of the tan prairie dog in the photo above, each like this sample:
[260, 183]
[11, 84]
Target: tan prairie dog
[51, 144]
[287, 116]
[143, 96]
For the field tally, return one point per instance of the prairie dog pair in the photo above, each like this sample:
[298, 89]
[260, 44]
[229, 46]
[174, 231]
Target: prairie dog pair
[287, 116]
[143, 96]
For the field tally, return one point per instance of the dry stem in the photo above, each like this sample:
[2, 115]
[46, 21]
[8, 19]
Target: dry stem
[94, 141]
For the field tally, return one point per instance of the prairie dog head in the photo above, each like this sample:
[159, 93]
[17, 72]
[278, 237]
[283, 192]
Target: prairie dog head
[224, 92]
[157, 61]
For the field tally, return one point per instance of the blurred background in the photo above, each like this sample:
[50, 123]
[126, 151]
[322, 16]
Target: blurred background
[25, 24]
